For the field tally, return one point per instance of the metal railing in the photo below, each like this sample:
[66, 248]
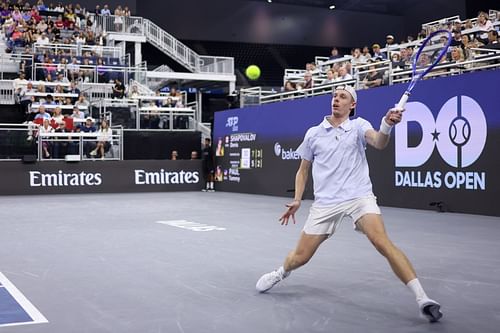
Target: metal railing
[59, 145]
[484, 59]
[140, 114]
[74, 50]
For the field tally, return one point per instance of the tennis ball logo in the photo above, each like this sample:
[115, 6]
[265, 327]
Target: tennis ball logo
[253, 72]
[459, 131]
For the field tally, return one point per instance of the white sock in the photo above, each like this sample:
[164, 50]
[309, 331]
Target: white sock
[211, 185]
[417, 289]
[282, 272]
[208, 186]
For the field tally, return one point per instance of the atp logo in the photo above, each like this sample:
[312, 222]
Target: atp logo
[233, 123]
[459, 133]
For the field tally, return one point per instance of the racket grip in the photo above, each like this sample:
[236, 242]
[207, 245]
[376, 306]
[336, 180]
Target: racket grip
[403, 100]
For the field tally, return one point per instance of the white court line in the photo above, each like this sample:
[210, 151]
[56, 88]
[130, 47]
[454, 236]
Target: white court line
[30, 309]
[194, 226]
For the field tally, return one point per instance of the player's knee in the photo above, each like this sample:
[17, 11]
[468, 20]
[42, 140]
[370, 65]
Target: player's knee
[382, 244]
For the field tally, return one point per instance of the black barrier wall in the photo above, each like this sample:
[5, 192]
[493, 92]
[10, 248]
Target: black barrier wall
[100, 177]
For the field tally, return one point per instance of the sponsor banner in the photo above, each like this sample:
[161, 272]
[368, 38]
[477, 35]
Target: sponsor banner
[100, 177]
[442, 153]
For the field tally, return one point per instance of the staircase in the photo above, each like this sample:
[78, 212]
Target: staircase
[165, 42]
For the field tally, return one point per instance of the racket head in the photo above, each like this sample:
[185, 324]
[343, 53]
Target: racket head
[442, 52]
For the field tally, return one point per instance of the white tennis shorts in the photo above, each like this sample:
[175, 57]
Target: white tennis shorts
[324, 220]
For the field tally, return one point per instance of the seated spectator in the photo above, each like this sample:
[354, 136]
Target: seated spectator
[290, 86]
[102, 71]
[60, 144]
[377, 54]
[86, 71]
[493, 42]
[483, 24]
[365, 55]
[133, 92]
[42, 114]
[73, 69]
[57, 116]
[356, 57]
[25, 98]
[457, 39]
[374, 78]
[46, 145]
[88, 145]
[396, 60]
[334, 54]
[118, 89]
[330, 77]
[308, 80]
[82, 103]
[194, 155]
[343, 74]
[104, 139]
[77, 113]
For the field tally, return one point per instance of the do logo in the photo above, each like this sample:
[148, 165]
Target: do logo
[459, 133]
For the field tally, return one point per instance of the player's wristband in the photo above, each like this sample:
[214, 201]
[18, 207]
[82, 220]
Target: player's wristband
[385, 128]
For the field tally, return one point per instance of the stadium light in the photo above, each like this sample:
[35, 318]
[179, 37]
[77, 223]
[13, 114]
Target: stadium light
[332, 7]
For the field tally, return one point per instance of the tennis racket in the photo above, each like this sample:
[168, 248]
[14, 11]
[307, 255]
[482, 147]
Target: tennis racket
[419, 70]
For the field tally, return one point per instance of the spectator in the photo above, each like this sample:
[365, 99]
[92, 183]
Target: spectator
[174, 155]
[82, 103]
[194, 155]
[88, 145]
[330, 77]
[118, 18]
[77, 113]
[377, 54]
[390, 44]
[334, 54]
[45, 128]
[374, 78]
[105, 11]
[483, 24]
[42, 114]
[365, 55]
[343, 74]
[104, 139]
[493, 42]
[290, 86]
[57, 116]
[357, 59]
[60, 145]
[457, 39]
[118, 89]
[308, 80]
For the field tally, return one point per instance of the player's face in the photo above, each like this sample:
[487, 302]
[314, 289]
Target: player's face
[342, 103]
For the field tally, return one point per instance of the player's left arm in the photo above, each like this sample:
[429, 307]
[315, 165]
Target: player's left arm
[379, 139]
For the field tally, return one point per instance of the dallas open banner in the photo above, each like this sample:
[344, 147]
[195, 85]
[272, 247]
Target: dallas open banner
[444, 152]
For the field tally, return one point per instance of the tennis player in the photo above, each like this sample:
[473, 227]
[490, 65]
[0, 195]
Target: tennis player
[342, 188]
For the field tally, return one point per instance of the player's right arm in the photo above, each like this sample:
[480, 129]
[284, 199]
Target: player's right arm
[300, 184]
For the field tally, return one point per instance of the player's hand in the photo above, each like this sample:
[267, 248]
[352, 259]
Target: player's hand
[394, 116]
[292, 207]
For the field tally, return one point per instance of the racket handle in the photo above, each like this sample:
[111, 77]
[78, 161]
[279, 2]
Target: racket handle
[403, 100]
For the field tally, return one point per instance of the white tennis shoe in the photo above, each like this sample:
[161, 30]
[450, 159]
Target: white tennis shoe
[430, 310]
[269, 280]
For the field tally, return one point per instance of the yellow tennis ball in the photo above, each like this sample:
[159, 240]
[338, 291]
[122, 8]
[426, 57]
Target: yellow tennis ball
[253, 72]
